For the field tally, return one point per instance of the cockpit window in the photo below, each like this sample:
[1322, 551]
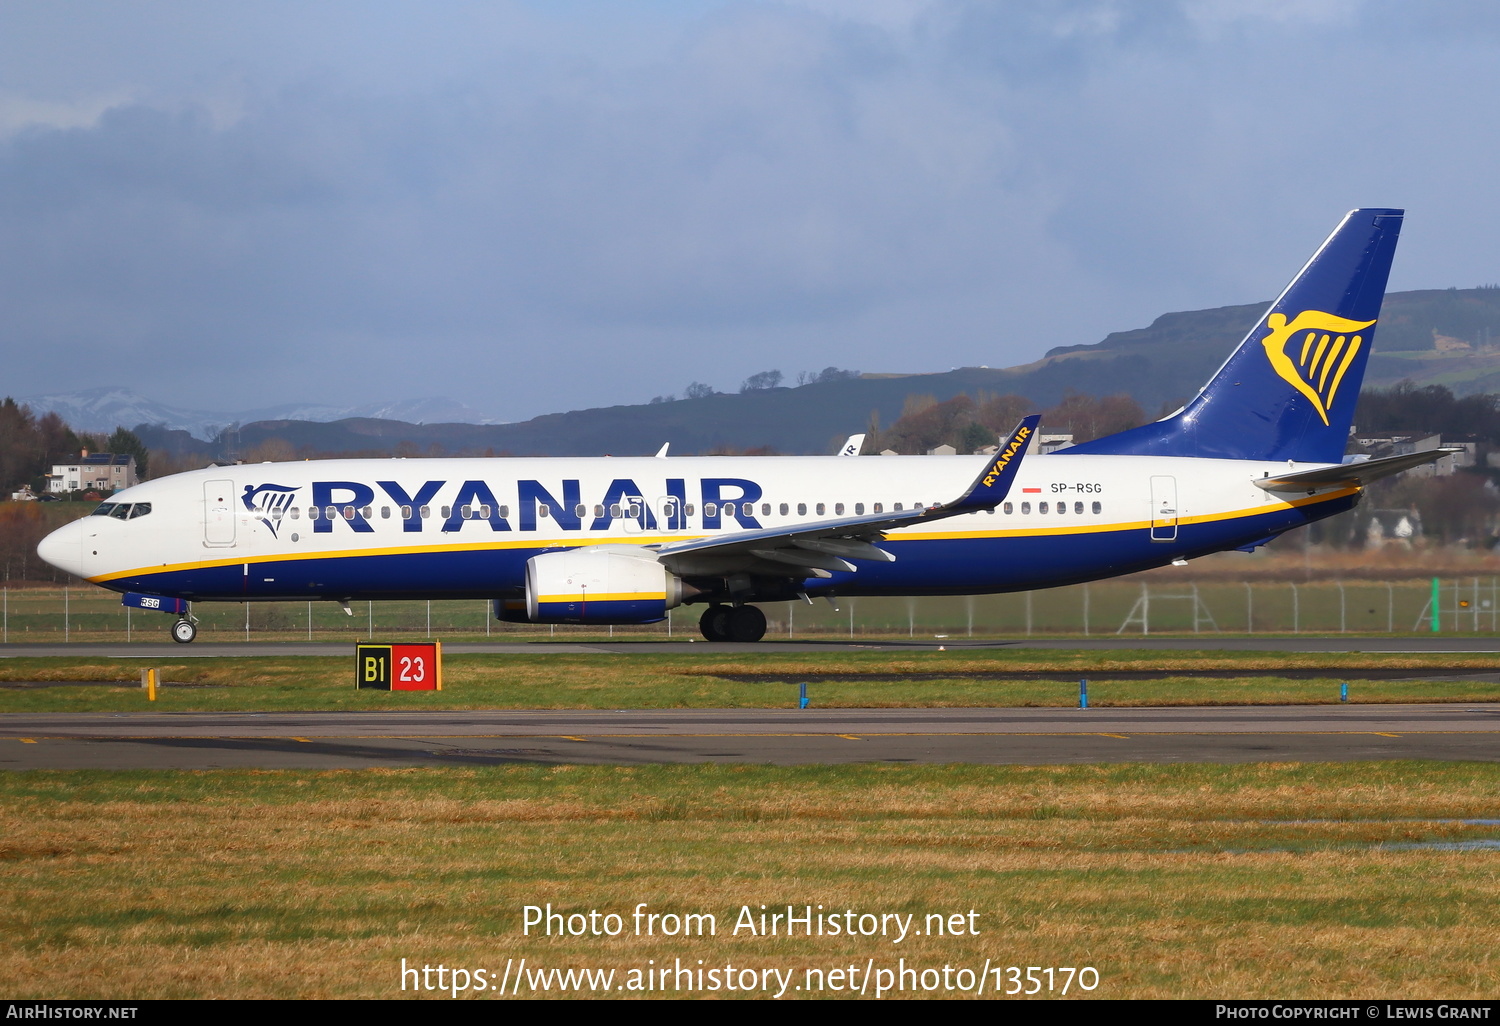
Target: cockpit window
[104, 509]
[121, 511]
[140, 509]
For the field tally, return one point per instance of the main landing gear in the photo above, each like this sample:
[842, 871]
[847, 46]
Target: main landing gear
[732, 623]
[184, 631]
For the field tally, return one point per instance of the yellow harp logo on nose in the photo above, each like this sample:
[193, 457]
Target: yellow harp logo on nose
[1312, 351]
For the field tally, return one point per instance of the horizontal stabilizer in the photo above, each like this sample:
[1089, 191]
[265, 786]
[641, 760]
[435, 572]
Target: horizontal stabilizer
[1361, 473]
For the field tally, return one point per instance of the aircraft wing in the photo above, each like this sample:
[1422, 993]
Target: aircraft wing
[1361, 473]
[818, 549]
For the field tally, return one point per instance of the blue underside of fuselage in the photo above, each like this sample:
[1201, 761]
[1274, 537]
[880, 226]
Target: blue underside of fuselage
[951, 566]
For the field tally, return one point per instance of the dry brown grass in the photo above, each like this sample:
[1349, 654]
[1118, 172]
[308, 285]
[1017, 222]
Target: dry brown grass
[1174, 881]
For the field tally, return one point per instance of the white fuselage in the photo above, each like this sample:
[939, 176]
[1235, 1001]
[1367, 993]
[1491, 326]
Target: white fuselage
[389, 528]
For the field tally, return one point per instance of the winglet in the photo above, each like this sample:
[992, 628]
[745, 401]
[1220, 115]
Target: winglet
[993, 484]
[852, 446]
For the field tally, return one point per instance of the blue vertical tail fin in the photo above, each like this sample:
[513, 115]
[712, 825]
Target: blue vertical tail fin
[1288, 391]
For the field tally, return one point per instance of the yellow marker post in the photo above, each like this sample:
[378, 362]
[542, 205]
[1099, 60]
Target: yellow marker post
[151, 685]
[438, 663]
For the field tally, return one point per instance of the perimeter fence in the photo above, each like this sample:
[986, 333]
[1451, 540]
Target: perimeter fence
[1463, 605]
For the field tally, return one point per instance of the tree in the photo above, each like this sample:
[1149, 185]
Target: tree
[1089, 417]
[761, 381]
[698, 390]
[126, 443]
[824, 376]
[20, 445]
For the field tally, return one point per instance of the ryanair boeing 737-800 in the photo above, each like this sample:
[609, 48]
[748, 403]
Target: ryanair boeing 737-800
[620, 541]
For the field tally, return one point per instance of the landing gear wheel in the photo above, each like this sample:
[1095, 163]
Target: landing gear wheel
[184, 631]
[714, 623]
[746, 623]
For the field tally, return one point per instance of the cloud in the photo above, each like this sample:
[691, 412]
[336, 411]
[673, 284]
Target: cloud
[533, 208]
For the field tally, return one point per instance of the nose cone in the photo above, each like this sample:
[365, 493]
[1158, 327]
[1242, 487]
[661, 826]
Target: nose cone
[63, 548]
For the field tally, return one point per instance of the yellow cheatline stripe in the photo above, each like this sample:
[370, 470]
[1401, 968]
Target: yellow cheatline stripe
[623, 596]
[550, 541]
[1207, 518]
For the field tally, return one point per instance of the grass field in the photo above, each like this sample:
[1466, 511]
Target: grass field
[850, 680]
[1320, 881]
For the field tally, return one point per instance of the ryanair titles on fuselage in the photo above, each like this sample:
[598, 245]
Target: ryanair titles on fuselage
[667, 508]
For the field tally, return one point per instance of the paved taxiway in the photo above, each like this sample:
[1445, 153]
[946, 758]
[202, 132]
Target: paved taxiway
[1440, 643]
[785, 737]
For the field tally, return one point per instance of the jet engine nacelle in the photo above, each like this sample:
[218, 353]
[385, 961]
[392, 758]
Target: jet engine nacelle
[600, 584]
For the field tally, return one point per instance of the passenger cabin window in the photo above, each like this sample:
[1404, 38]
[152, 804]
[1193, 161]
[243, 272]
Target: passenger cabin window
[859, 509]
[879, 507]
[1009, 508]
[838, 509]
[385, 512]
[614, 509]
[1041, 507]
[689, 511]
[425, 512]
[765, 509]
[1098, 508]
[1025, 508]
[295, 513]
[710, 509]
[897, 507]
[822, 509]
[802, 509]
[580, 511]
[1077, 507]
[784, 509]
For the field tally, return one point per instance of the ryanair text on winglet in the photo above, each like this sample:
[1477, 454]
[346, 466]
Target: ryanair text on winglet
[1016, 442]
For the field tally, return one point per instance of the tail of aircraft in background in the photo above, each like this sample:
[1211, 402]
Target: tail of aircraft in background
[1288, 392]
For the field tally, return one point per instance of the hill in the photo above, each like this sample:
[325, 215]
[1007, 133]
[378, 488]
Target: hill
[1449, 337]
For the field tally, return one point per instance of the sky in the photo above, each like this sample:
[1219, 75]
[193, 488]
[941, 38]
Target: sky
[540, 206]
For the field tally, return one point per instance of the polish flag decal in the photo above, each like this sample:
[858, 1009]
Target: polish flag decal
[1028, 491]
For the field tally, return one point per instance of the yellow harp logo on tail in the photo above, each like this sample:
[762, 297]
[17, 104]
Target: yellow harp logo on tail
[1312, 351]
